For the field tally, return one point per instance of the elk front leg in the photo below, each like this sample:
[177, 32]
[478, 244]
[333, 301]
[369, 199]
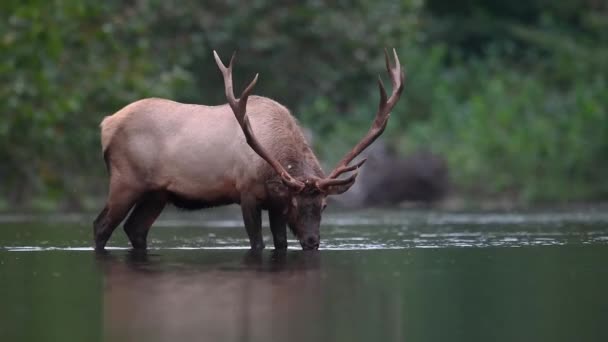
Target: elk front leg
[278, 227]
[252, 217]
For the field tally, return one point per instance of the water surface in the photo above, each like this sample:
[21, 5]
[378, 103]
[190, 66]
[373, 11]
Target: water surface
[380, 275]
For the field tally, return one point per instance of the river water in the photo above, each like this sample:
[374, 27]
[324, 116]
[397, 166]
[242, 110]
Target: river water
[381, 275]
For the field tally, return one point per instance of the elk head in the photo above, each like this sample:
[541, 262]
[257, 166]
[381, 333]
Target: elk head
[305, 196]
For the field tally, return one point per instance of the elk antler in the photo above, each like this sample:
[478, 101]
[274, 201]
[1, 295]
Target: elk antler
[239, 108]
[325, 183]
[382, 115]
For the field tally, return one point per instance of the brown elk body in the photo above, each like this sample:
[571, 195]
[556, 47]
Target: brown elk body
[194, 156]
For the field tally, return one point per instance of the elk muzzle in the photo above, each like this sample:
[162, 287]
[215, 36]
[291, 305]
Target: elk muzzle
[310, 242]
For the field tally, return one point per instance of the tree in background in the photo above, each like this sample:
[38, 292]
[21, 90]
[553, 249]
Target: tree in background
[513, 95]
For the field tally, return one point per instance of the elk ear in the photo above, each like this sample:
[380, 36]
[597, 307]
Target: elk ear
[277, 190]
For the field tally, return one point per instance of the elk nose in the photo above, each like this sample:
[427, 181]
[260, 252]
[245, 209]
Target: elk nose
[311, 242]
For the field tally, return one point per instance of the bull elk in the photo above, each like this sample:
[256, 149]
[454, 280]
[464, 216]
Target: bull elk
[159, 151]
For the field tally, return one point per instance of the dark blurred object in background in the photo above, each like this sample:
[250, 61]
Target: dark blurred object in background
[390, 179]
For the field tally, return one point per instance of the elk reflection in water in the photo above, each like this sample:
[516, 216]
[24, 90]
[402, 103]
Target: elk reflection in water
[260, 296]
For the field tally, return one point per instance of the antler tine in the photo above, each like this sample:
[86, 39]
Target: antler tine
[343, 168]
[387, 61]
[239, 108]
[385, 106]
[235, 103]
[324, 184]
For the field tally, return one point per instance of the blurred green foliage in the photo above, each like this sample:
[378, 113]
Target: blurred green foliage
[514, 95]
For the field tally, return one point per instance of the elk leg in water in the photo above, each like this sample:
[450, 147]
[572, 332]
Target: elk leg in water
[121, 199]
[141, 218]
[278, 227]
[252, 216]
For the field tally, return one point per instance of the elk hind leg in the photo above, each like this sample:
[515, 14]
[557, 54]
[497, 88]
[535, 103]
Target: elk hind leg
[141, 218]
[120, 200]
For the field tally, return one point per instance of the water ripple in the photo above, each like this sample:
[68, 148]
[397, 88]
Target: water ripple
[364, 231]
